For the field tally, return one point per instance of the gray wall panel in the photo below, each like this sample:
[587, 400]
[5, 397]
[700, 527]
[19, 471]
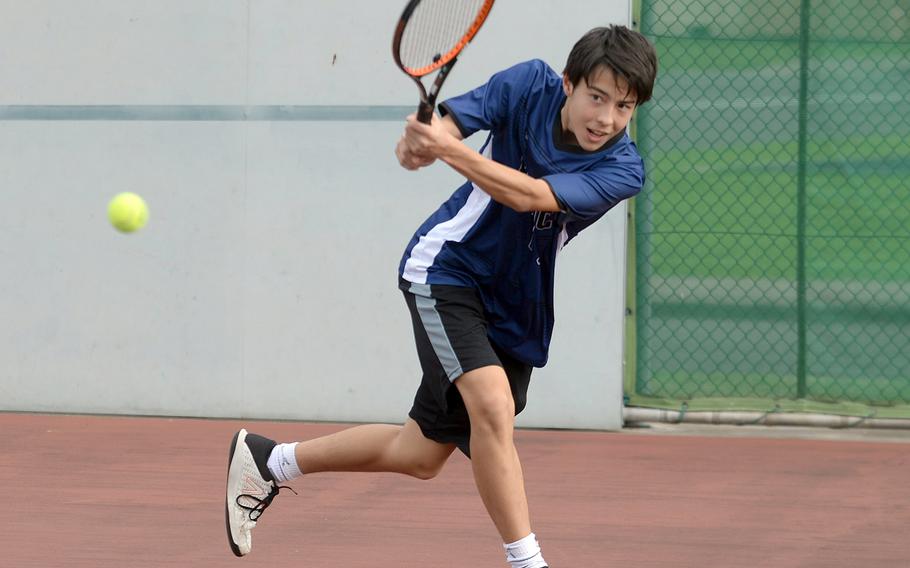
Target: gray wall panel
[265, 282]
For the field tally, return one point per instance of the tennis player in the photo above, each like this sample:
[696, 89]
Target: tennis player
[477, 277]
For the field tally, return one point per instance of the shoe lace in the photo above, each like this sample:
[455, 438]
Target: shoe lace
[261, 504]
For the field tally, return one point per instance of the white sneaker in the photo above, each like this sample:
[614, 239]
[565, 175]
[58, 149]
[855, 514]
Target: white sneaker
[250, 488]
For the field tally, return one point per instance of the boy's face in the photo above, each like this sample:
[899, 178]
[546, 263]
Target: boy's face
[597, 110]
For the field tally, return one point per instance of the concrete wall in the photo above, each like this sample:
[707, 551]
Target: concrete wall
[261, 134]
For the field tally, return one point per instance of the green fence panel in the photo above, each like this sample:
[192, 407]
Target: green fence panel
[773, 236]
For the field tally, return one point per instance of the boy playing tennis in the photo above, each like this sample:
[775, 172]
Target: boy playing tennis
[478, 277]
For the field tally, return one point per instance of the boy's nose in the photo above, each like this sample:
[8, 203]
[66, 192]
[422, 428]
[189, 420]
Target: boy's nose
[605, 119]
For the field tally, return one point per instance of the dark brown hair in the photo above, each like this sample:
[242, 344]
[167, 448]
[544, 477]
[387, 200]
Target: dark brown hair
[625, 52]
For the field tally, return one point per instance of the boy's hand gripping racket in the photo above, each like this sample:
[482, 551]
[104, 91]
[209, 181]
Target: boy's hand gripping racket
[430, 35]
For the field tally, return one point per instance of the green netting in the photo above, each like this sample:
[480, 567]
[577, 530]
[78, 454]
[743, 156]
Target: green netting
[772, 239]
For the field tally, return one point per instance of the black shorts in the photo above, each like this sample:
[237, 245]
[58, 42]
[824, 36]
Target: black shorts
[450, 329]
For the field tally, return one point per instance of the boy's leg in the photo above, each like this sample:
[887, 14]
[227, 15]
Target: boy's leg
[497, 469]
[251, 485]
[375, 447]
[490, 401]
[469, 395]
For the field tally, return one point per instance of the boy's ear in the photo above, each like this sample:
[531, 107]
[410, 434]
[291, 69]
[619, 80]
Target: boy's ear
[567, 85]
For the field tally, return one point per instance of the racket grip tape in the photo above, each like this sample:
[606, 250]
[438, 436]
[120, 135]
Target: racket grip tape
[425, 112]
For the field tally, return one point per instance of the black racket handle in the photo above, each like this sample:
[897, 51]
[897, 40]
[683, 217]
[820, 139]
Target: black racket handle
[425, 112]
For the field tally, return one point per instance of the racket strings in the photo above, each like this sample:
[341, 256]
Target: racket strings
[436, 29]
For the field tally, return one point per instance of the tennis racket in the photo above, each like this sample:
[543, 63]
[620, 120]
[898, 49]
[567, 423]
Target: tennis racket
[429, 37]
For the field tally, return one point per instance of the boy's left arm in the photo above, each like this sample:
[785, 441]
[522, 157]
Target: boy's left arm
[422, 144]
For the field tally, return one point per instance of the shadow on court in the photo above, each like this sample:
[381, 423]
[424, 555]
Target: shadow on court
[91, 491]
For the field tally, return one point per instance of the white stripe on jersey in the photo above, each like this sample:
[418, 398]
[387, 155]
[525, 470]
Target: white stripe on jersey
[428, 246]
[561, 239]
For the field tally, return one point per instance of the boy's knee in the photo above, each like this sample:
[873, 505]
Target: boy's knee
[426, 470]
[493, 412]
[488, 399]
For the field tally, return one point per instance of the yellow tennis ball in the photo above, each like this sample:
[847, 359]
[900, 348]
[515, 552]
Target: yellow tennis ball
[127, 212]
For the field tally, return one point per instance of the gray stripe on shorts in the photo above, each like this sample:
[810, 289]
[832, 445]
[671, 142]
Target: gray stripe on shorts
[432, 323]
[420, 289]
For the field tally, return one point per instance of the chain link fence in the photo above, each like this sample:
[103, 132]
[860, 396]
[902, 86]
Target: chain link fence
[772, 240]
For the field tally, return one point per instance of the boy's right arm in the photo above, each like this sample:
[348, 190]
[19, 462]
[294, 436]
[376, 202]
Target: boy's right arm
[423, 143]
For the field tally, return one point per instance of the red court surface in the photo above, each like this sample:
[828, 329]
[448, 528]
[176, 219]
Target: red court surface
[90, 491]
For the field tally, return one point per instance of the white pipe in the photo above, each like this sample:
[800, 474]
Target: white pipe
[742, 418]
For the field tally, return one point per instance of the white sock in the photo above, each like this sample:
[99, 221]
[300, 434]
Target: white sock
[525, 553]
[283, 463]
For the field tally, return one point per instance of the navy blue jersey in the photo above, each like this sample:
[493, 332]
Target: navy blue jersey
[507, 256]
